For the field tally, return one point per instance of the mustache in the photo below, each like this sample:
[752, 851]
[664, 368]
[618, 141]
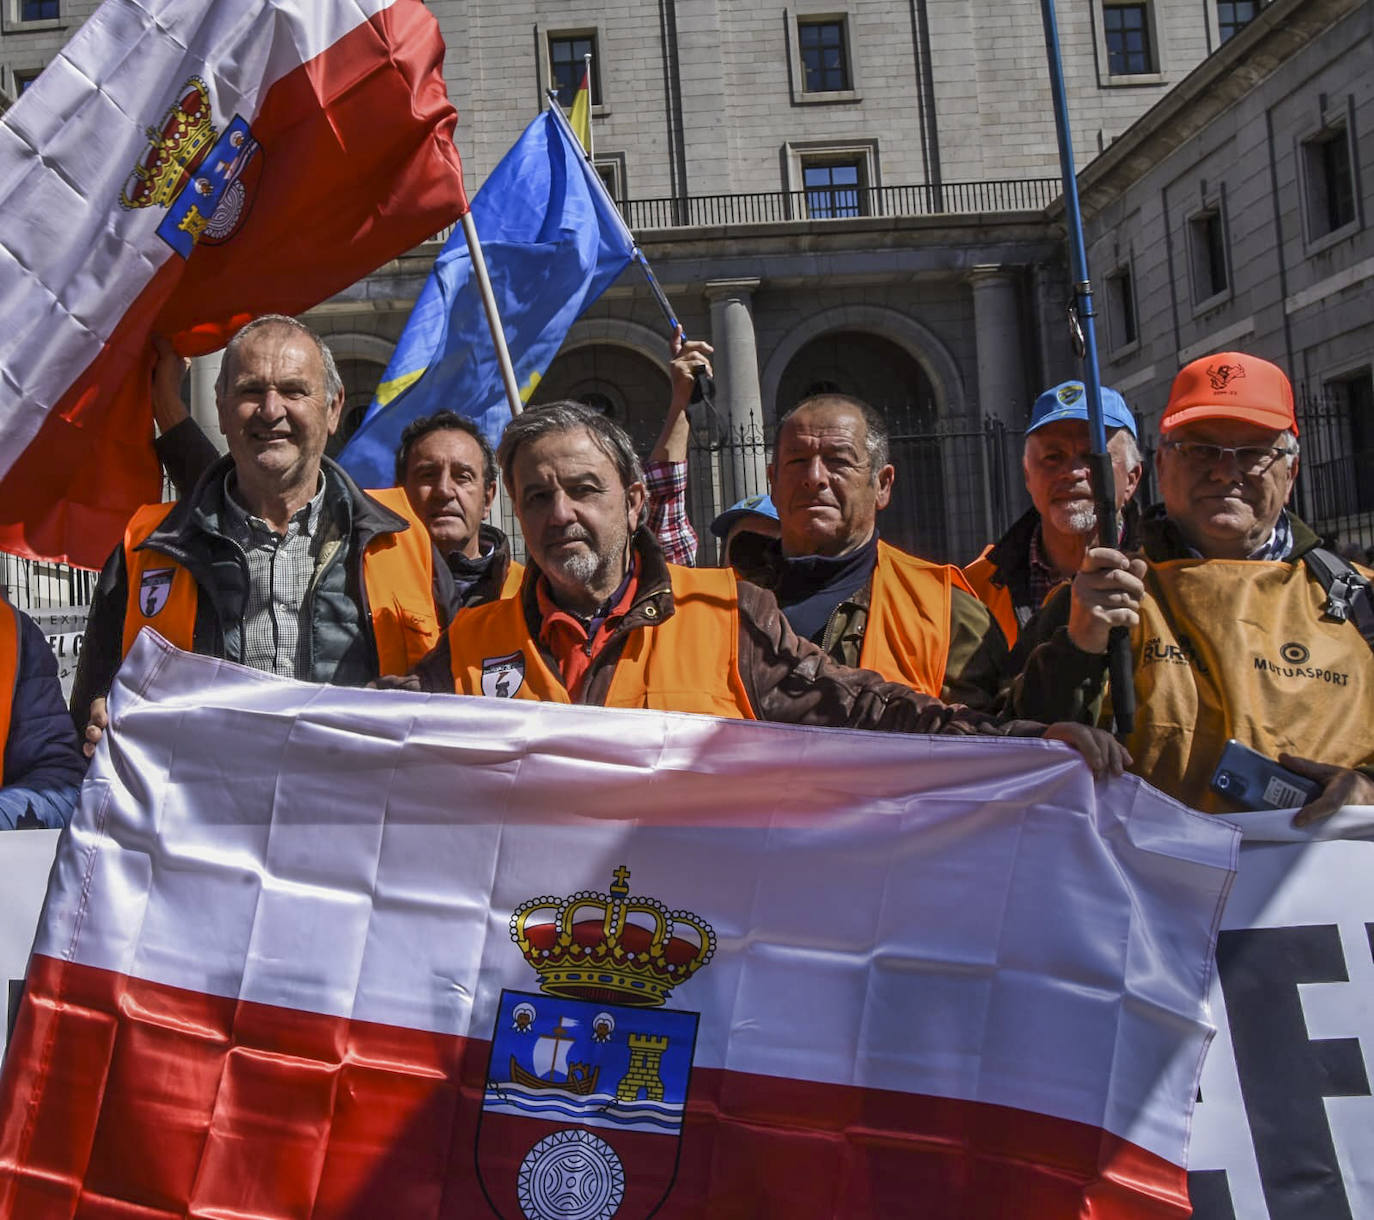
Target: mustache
[570, 533]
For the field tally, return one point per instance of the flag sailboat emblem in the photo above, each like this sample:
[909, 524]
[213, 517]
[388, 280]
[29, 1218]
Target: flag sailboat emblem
[587, 1082]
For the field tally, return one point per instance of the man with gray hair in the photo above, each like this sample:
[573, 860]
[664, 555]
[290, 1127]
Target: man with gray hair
[276, 559]
[602, 619]
[1242, 627]
[1045, 546]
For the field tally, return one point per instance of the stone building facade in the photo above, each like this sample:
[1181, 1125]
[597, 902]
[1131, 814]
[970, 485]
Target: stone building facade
[836, 193]
[1236, 215]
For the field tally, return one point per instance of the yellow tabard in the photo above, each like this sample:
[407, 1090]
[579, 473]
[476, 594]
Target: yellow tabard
[1239, 648]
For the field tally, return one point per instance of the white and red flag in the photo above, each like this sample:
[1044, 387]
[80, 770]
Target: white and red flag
[180, 167]
[318, 952]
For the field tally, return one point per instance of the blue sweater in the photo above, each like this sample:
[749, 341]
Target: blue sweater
[44, 765]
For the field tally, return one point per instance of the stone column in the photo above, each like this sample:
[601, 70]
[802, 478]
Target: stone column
[997, 325]
[738, 398]
[204, 370]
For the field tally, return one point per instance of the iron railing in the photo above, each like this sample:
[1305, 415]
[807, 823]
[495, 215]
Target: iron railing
[834, 203]
[841, 203]
[1335, 487]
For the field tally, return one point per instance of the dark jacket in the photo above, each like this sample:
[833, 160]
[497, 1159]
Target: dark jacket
[495, 563]
[1062, 682]
[43, 761]
[341, 649]
[786, 678]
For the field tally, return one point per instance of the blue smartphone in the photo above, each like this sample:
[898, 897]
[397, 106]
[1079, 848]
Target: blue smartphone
[1254, 781]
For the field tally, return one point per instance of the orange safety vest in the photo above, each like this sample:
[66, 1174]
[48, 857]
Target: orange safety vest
[996, 597]
[907, 635]
[9, 674]
[515, 574]
[398, 577]
[687, 663]
[1239, 648]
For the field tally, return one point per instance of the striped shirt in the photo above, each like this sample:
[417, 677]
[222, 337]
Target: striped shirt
[281, 567]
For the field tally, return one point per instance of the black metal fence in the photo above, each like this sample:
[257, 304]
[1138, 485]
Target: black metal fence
[957, 487]
[773, 207]
[1335, 488]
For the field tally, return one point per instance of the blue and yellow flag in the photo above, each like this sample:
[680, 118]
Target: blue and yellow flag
[553, 242]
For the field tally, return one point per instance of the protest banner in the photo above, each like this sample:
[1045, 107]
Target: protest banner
[427, 951]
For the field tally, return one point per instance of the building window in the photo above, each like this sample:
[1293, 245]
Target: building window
[834, 188]
[1127, 27]
[566, 65]
[22, 80]
[1341, 475]
[38, 10]
[1207, 255]
[824, 56]
[1328, 181]
[1121, 308]
[1234, 15]
[611, 170]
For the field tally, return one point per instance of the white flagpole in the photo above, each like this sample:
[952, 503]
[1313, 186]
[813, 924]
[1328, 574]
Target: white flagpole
[498, 335]
[591, 125]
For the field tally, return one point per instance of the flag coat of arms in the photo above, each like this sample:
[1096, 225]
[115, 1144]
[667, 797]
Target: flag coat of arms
[310, 951]
[178, 168]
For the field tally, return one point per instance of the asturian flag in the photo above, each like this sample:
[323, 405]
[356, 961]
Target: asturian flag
[310, 951]
[179, 167]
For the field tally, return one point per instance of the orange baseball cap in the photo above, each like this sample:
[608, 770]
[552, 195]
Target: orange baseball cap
[1231, 385]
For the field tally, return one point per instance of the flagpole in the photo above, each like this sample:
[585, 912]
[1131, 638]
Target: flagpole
[498, 334]
[1122, 679]
[591, 127]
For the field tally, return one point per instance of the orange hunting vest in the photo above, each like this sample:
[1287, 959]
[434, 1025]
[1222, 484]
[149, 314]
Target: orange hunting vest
[1239, 648]
[514, 575]
[9, 674]
[398, 577]
[687, 663]
[907, 636]
[996, 597]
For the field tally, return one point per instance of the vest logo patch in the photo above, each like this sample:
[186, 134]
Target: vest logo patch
[502, 677]
[154, 590]
[1158, 652]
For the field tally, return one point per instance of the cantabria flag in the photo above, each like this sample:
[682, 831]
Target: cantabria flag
[179, 167]
[319, 952]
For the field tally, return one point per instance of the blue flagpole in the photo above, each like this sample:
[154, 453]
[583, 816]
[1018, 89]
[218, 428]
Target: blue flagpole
[1104, 483]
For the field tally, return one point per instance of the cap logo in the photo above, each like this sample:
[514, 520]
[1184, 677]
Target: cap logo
[1222, 375]
[1069, 394]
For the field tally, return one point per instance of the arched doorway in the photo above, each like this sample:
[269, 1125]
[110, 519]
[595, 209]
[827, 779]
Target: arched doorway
[620, 381]
[886, 376]
[360, 378]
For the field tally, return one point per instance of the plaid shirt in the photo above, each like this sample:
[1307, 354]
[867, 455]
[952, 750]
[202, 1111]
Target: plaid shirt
[666, 483]
[1043, 576]
[280, 569]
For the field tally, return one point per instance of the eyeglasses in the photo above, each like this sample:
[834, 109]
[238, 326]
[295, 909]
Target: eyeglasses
[1250, 459]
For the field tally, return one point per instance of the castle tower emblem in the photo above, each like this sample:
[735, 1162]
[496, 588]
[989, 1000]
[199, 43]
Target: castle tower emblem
[587, 1079]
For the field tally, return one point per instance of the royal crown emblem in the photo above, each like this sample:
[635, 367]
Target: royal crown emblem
[611, 947]
[588, 1078]
[198, 174]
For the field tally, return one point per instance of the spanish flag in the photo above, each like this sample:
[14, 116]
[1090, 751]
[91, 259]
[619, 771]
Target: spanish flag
[581, 115]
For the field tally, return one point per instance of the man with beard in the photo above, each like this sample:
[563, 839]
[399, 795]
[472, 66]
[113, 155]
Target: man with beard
[1242, 627]
[1044, 548]
[602, 619]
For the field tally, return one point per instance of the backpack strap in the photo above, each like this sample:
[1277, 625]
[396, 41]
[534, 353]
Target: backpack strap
[1349, 597]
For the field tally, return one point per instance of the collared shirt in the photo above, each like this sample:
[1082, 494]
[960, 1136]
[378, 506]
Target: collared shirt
[1044, 577]
[575, 641]
[1279, 544]
[280, 570]
[666, 483]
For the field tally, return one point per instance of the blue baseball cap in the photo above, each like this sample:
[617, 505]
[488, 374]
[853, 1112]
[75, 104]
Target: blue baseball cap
[751, 506]
[1069, 400]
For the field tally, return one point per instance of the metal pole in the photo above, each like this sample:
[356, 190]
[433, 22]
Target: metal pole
[498, 335]
[591, 126]
[1119, 647]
